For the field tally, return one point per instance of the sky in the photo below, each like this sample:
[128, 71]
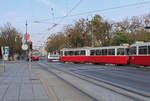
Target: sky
[42, 14]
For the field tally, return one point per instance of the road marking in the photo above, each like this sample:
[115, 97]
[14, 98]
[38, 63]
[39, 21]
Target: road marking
[52, 96]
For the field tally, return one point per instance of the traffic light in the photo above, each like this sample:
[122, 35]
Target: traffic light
[30, 45]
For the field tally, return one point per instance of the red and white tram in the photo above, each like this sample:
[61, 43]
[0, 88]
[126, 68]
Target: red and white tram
[112, 55]
[137, 54]
[140, 54]
[109, 55]
[76, 55]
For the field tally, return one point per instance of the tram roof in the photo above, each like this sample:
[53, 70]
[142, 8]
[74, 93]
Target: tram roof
[70, 49]
[140, 44]
[93, 48]
[111, 47]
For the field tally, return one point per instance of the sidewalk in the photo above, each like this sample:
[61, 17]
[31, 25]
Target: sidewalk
[17, 85]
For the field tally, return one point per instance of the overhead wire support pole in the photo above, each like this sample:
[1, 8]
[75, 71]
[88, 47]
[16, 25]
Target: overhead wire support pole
[26, 30]
[91, 31]
[26, 53]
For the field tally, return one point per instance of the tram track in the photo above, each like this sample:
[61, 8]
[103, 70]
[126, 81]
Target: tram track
[45, 68]
[110, 74]
[125, 91]
[116, 75]
[119, 77]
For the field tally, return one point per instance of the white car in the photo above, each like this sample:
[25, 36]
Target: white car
[53, 57]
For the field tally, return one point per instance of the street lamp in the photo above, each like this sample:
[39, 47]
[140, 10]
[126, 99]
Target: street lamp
[92, 36]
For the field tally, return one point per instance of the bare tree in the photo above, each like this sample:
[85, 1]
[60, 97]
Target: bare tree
[9, 36]
[55, 42]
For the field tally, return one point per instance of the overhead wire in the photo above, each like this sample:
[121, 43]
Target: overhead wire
[106, 9]
[113, 8]
[68, 13]
[93, 11]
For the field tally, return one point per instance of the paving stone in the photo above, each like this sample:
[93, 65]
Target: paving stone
[39, 91]
[3, 89]
[13, 91]
[35, 100]
[11, 99]
[26, 92]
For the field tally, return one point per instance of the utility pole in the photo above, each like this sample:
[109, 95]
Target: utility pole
[26, 54]
[92, 34]
[53, 18]
[26, 31]
[29, 51]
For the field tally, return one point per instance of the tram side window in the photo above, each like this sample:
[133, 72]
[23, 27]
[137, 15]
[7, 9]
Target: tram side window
[66, 53]
[120, 51]
[92, 52]
[98, 52]
[111, 51]
[104, 51]
[143, 50]
[82, 52]
[148, 49]
[127, 51]
[71, 53]
[133, 51]
[77, 52]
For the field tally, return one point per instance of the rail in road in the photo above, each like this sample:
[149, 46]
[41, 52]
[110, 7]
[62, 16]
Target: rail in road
[53, 73]
[132, 78]
[115, 89]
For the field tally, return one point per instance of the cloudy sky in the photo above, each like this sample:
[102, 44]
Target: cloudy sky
[42, 14]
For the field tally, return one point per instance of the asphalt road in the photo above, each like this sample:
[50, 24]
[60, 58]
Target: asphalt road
[134, 78]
